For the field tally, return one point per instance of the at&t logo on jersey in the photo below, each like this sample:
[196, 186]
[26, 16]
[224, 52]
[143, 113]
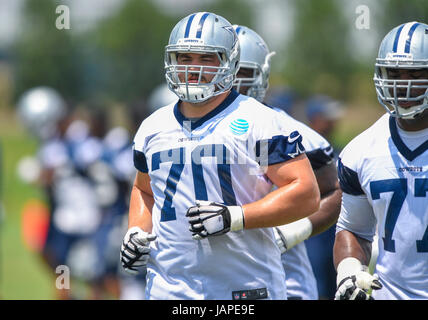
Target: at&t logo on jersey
[239, 126]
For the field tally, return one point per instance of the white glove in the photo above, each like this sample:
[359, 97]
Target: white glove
[135, 250]
[288, 235]
[211, 219]
[353, 281]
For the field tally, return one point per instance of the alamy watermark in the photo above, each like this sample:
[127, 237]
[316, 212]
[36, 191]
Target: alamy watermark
[63, 20]
[63, 280]
[363, 19]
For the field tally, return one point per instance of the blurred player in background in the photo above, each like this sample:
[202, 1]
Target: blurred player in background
[110, 174]
[44, 113]
[201, 195]
[323, 113]
[253, 80]
[160, 97]
[133, 286]
[281, 97]
[384, 177]
[84, 169]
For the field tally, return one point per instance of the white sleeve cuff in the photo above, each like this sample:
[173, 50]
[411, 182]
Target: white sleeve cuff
[236, 218]
[296, 232]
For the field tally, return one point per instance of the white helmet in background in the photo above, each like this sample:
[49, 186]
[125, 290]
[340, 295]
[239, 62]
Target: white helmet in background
[160, 97]
[40, 109]
[255, 55]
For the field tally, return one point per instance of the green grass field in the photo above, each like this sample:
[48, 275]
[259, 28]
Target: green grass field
[22, 273]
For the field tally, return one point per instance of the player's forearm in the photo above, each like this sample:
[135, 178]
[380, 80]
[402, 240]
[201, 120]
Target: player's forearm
[328, 212]
[349, 245]
[289, 203]
[140, 209]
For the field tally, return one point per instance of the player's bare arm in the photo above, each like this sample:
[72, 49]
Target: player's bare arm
[141, 203]
[347, 244]
[297, 195]
[289, 235]
[135, 248]
[331, 196]
[351, 255]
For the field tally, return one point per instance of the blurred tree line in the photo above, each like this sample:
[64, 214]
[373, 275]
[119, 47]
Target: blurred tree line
[319, 55]
[121, 58]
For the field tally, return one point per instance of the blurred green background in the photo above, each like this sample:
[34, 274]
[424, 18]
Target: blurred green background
[113, 52]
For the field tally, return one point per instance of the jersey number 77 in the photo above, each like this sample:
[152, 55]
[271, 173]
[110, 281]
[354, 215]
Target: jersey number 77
[400, 190]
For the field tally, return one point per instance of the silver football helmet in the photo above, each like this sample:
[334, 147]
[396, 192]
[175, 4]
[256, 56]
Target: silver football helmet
[404, 47]
[255, 55]
[40, 109]
[204, 33]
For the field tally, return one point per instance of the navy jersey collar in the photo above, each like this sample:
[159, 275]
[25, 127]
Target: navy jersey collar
[195, 124]
[401, 146]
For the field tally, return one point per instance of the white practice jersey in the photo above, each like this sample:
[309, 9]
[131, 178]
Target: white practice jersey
[75, 208]
[385, 182]
[300, 278]
[220, 157]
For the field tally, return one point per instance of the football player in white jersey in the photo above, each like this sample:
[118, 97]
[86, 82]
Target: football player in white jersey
[383, 173]
[201, 209]
[253, 79]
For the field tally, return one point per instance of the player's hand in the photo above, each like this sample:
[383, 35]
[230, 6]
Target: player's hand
[211, 219]
[355, 284]
[288, 235]
[135, 250]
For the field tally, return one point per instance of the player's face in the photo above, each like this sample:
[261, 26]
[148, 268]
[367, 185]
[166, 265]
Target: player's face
[244, 73]
[195, 73]
[408, 74]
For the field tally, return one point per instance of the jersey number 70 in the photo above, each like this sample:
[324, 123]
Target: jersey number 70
[223, 171]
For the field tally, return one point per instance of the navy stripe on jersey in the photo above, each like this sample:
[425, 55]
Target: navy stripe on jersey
[320, 157]
[195, 124]
[279, 149]
[401, 146]
[348, 179]
[140, 161]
